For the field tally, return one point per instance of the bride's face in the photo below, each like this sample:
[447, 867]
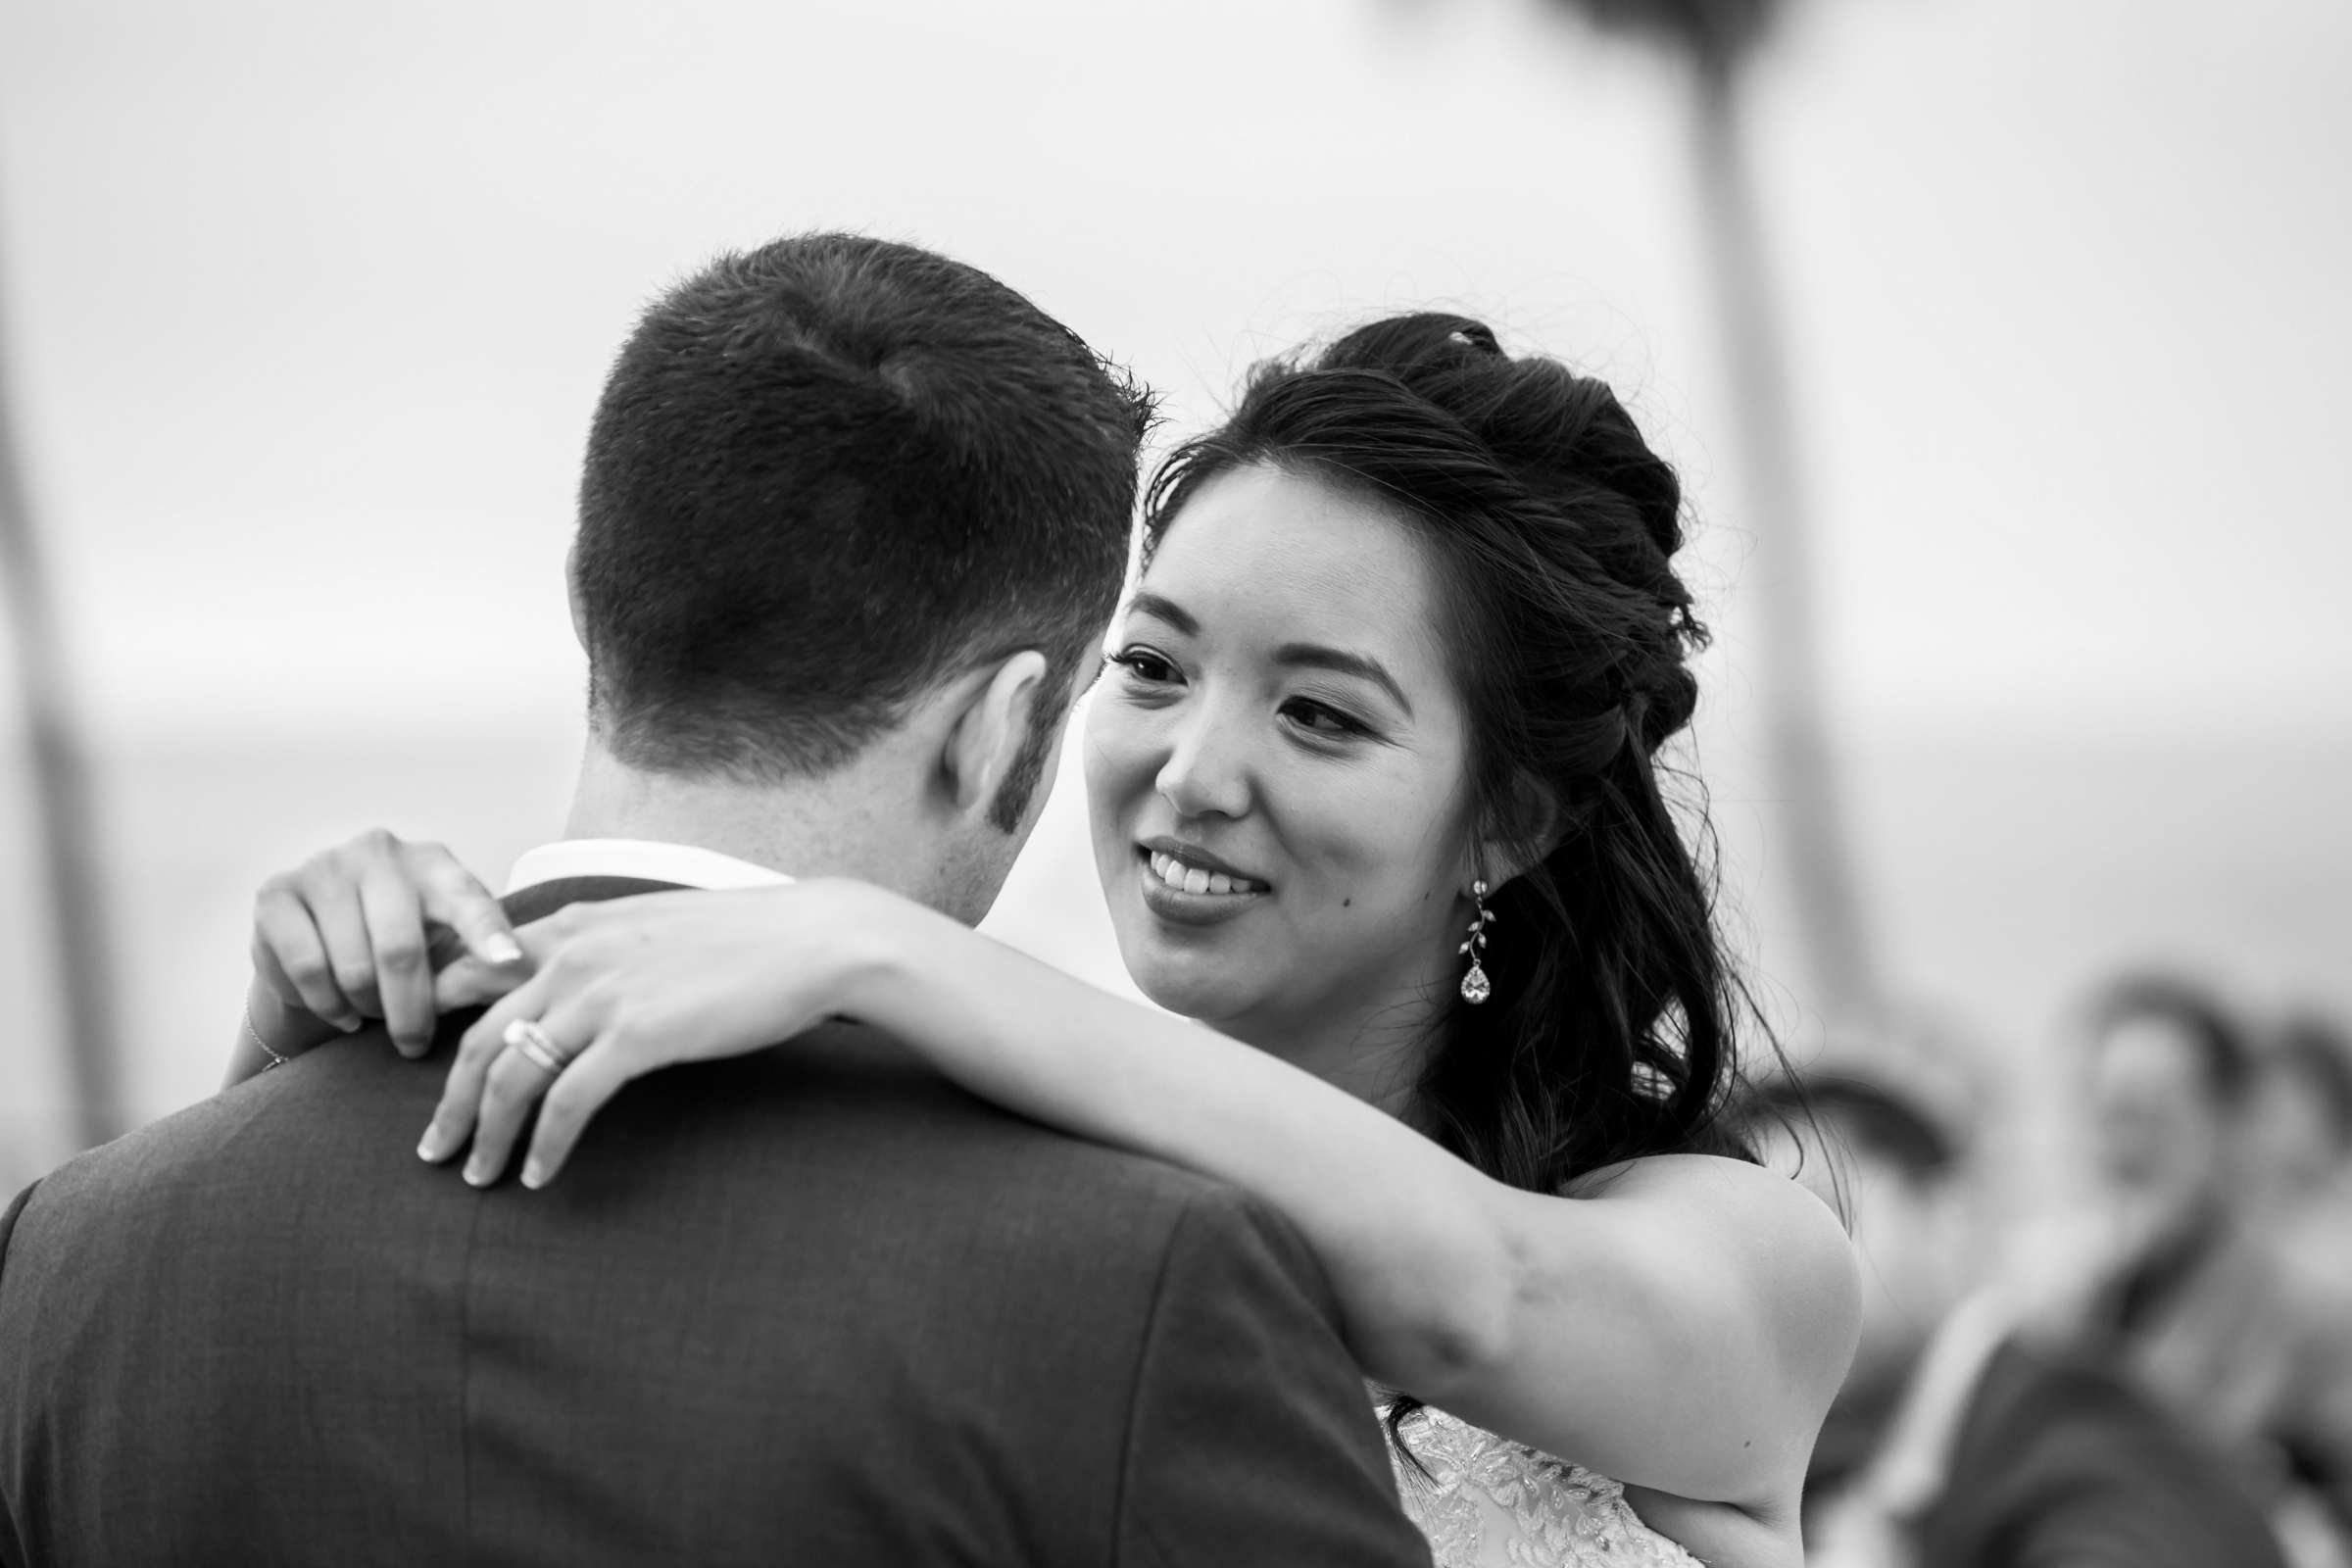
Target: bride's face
[1277, 763]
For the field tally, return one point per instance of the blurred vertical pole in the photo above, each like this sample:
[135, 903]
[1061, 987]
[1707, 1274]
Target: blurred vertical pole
[1820, 873]
[1715, 40]
[64, 802]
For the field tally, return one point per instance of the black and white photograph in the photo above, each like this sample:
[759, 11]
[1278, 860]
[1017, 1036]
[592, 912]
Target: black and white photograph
[1031, 783]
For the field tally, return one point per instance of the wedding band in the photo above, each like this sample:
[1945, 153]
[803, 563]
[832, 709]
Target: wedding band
[536, 1045]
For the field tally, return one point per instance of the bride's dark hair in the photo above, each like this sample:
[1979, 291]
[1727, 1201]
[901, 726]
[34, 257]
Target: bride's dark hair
[1555, 525]
[1611, 1029]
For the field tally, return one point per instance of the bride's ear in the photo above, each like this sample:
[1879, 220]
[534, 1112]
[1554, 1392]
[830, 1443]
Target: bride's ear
[1521, 833]
[988, 734]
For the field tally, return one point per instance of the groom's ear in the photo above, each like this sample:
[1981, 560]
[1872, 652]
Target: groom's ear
[987, 736]
[571, 594]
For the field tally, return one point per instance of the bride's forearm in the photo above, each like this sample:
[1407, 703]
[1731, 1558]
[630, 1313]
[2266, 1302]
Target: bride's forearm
[1408, 1234]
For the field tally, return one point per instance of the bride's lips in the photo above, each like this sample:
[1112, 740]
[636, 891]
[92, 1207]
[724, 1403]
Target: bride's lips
[1157, 860]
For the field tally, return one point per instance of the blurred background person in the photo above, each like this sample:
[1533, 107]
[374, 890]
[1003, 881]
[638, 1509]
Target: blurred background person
[2299, 1141]
[2167, 1073]
[2184, 1290]
[2297, 1144]
[1957, 1441]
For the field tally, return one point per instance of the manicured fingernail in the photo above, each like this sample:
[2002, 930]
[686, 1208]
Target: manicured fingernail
[534, 1174]
[502, 949]
[349, 1023]
[428, 1148]
[477, 1175]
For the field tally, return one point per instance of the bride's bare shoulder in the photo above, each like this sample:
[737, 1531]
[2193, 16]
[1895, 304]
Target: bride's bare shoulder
[1738, 1191]
[1795, 1267]
[1759, 1246]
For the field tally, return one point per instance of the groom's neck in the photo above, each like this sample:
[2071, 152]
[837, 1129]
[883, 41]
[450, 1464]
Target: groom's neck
[847, 823]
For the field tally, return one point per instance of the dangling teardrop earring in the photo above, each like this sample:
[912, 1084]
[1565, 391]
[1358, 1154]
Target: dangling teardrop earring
[1476, 987]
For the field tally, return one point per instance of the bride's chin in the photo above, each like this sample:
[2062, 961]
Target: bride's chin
[1183, 985]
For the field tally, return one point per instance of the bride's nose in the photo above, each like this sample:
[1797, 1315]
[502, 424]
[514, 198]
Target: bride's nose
[1205, 773]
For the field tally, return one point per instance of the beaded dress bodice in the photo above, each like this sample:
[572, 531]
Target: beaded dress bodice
[1490, 1503]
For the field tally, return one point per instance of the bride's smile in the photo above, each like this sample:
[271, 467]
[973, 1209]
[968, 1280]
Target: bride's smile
[1277, 766]
[1186, 884]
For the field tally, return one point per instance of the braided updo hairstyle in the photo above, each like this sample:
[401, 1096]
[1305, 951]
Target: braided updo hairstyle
[1553, 525]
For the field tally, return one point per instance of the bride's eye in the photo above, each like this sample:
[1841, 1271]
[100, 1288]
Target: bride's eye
[1145, 665]
[1320, 719]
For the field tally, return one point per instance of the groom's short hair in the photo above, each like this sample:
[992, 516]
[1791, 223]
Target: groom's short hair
[825, 476]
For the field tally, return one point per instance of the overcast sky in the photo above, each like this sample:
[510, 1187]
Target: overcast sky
[309, 303]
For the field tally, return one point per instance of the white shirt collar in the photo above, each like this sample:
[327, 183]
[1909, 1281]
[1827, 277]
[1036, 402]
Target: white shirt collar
[641, 859]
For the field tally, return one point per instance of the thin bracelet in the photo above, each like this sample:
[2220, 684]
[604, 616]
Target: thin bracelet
[254, 1035]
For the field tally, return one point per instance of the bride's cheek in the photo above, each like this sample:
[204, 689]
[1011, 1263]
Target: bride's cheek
[1099, 742]
[1125, 746]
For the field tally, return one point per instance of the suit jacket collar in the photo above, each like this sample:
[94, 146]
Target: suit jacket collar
[543, 899]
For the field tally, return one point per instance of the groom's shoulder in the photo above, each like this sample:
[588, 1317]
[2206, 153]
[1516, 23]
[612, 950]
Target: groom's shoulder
[125, 1212]
[857, 1097]
[858, 1124]
[104, 1188]
[146, 1156]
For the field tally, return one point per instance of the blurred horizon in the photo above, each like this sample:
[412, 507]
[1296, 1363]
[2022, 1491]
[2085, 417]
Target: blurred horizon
[307, 308]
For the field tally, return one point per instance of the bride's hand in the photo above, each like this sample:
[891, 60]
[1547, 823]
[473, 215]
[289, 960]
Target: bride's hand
[354, 933]
[626, 986]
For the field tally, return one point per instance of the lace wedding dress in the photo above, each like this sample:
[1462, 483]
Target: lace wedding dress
[1490, 1503]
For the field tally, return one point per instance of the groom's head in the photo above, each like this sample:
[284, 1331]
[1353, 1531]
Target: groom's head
[842, 495]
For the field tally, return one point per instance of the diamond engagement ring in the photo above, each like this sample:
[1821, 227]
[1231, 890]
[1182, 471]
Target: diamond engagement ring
[536, 1044]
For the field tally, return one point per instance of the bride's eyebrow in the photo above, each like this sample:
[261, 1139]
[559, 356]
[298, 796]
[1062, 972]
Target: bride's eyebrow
[1161, 608]
[1312, 656]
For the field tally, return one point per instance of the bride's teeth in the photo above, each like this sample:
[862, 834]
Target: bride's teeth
[1174, 873]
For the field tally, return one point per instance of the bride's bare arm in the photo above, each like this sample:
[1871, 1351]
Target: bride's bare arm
[1679, 1323]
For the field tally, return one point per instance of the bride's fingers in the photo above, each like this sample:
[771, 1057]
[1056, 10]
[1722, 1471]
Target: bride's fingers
[472, 980]
[513, 1085]
[461, 1091]
[333, 900]
[404, 979]
[594, 1077]
[455, 897]
[285, 939]
[469, 982]
[276, 990]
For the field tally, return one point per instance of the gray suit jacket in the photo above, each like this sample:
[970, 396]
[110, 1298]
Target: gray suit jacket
[812, 1307]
